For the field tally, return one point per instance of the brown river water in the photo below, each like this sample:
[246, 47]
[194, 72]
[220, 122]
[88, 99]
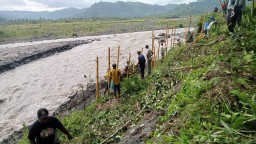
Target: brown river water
[48, 82]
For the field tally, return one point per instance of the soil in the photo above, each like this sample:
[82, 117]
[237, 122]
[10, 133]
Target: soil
[142, 130]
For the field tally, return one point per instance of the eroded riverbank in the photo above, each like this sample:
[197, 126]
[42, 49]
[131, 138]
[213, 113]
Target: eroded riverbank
[49, 82]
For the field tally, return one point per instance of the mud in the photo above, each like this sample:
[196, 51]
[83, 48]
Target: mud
[142, 130]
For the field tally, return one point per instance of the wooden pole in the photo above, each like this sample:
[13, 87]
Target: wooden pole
[129, 65]
[166, 37]
[167, 40]
[158, 54]
[154, 56]
[141, 50]
[118, 54]
[174, 35]
[97, 79]
[108, 58]
[153, 40]
[171, 37]
[108, 70]
[153, 44]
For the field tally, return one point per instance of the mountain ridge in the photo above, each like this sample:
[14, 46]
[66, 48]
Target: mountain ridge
[116, 9]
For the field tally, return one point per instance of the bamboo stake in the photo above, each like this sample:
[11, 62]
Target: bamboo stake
[171, 37]
[158, 51]
[108, 70]
[173, 40]
[153, 40]
[129, 65]
[166, 37]
[118, 54]
[97, 79]
[154, 56]
[174, 35]
[153, 44]
[152, 61]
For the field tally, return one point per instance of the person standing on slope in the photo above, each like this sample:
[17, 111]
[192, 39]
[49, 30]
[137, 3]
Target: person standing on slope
[149, 58]
[115, 76]
[43, 131]
[141, 63]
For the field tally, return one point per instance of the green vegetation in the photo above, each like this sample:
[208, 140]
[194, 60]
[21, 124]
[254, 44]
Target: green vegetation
[208, 93]
[67, 28]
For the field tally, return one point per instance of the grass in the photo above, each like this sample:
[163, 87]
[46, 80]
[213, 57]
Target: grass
[66, 29]
[212, 103]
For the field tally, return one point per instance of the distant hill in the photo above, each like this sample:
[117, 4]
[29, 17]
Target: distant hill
[198, 7]
[64, 13]
[125, 9]
[117, 9]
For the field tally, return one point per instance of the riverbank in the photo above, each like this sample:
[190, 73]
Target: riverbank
[12, 57]
[49, 82]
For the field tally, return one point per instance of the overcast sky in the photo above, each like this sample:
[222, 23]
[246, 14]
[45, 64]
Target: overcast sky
[50, 5]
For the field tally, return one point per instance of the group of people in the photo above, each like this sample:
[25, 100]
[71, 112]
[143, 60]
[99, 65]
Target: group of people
[232, 8]
[115, 75]
[44, 129]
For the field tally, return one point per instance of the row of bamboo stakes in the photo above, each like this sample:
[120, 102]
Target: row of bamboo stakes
[155, 57]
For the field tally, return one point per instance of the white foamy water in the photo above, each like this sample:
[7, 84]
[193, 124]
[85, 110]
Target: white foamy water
[48, 82]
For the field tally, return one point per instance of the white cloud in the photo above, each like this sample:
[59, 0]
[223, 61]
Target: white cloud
[50, 5]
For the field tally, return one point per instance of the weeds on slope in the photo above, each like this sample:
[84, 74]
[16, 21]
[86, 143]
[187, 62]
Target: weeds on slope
[216, 102]
[207, 94]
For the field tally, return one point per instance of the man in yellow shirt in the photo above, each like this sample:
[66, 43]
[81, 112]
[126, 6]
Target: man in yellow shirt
[115, 76]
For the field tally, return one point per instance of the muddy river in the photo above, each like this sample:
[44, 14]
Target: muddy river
[48, 82]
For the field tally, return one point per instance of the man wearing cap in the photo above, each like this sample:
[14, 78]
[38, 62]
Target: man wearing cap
[149, 58]
[43, 131]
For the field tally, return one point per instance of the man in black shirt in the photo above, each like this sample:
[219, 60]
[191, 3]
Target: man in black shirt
[44, 129]
[141, 63]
